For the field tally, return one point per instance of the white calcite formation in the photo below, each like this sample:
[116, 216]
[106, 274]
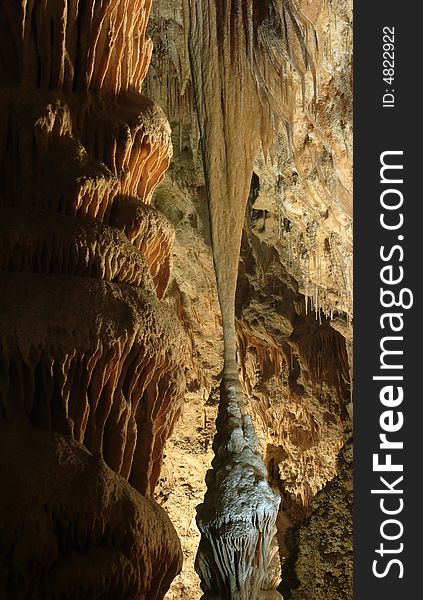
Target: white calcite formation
[237, 557]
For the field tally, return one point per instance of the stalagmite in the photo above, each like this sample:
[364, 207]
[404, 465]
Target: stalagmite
[238, 553]
[110, 381]
[241, 55]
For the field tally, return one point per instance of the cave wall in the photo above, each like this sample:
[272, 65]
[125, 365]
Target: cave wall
[321, 558]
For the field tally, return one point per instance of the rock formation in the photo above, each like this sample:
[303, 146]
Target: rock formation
[91, 361]
[242, 91]
[324, 568]
[221, 290]
[294, 288]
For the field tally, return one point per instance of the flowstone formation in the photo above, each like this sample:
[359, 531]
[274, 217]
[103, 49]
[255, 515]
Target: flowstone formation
[92, 362]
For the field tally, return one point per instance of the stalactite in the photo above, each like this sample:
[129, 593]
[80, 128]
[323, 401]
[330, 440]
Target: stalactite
[241, 53]
[41, 241]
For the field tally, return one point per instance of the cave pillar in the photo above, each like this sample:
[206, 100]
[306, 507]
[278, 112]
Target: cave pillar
[237, 557]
